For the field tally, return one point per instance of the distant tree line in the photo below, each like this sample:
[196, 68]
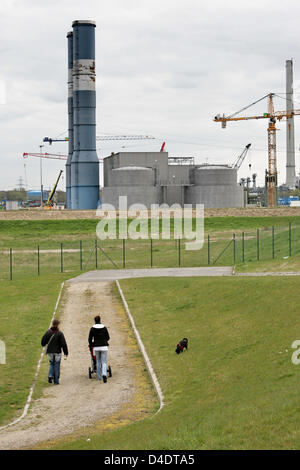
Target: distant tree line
[20, 195]
[13, 195]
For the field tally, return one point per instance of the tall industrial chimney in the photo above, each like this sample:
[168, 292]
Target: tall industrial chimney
[70, 119]
[84, 164]
[290, 135]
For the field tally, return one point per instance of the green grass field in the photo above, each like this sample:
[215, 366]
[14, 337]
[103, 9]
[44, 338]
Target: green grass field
[26, 310]
[29, 233]
[236, 387]
[54, 246]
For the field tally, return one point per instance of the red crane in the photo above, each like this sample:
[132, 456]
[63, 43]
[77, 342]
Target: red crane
[52, 156]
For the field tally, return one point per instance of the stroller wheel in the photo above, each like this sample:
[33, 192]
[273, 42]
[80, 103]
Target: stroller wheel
[109, 371]
[90, 373]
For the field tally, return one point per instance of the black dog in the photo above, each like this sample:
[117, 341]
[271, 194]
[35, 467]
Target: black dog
[181, 345]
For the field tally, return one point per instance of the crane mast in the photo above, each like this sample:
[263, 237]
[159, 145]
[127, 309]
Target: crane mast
[271, 176]
[49, 202]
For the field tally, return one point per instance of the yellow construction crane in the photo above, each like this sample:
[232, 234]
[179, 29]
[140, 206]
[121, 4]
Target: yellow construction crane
[49, 202]
[271, 173]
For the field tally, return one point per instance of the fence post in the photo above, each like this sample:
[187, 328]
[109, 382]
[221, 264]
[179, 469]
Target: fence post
[10, 264]
[208, 250]
[151, 250]
[243, 247]
[234, 249]
[61, 259]
[96, 254]
[38, 259]
[257, 241]
[179, 260]
[124, 253]
[80, 251]
[290, 239]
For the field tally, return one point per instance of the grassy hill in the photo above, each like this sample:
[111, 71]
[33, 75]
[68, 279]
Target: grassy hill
[236, 387]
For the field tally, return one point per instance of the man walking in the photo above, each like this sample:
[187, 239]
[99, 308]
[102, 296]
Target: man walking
[55, 341]
[98, 341]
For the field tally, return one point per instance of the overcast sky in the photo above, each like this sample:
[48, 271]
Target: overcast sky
[164, 68]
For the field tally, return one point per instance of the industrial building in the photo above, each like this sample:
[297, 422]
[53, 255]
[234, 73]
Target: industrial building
[155, 178]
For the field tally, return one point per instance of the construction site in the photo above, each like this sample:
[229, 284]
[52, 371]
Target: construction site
[150, 178]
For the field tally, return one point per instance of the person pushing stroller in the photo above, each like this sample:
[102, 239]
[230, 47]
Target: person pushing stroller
[98, 341]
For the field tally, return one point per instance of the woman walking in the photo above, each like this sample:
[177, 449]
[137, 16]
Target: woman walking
[55, 341]
[98, 341]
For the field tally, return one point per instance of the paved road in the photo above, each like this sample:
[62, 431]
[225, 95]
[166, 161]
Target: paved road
[278, 273]
[113, 274]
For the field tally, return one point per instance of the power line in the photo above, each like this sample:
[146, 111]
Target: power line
[246, 107]
[287, 99]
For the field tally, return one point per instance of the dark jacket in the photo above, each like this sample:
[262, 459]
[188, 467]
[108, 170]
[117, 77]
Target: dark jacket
[57, 342]
[98, 336]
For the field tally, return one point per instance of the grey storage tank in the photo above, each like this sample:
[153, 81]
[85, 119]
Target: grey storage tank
[132, 176]
[135, 182]
[215, 186]
[211, 175]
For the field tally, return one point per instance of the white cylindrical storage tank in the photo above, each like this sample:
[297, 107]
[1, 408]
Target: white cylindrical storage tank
[132, 176]
[214, 175]
[215, 186]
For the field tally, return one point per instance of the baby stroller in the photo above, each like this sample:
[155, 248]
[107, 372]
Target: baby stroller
[93, 368]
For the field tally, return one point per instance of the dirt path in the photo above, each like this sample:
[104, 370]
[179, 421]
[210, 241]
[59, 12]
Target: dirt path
[78, 401]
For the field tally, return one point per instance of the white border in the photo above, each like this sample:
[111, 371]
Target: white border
[143, 350]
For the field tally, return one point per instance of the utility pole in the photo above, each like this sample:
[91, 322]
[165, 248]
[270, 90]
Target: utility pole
[41, 177]
[290, 133]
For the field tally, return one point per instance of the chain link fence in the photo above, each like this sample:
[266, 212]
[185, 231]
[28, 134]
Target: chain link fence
[223, 248]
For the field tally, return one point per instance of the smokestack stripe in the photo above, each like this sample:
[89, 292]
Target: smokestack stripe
[70, 119]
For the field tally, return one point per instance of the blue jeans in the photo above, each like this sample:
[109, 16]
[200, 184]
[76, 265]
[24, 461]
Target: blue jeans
[54, 367]
[101, 358]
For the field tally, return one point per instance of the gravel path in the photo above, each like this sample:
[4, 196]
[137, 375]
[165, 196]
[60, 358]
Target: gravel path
[78, 401]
